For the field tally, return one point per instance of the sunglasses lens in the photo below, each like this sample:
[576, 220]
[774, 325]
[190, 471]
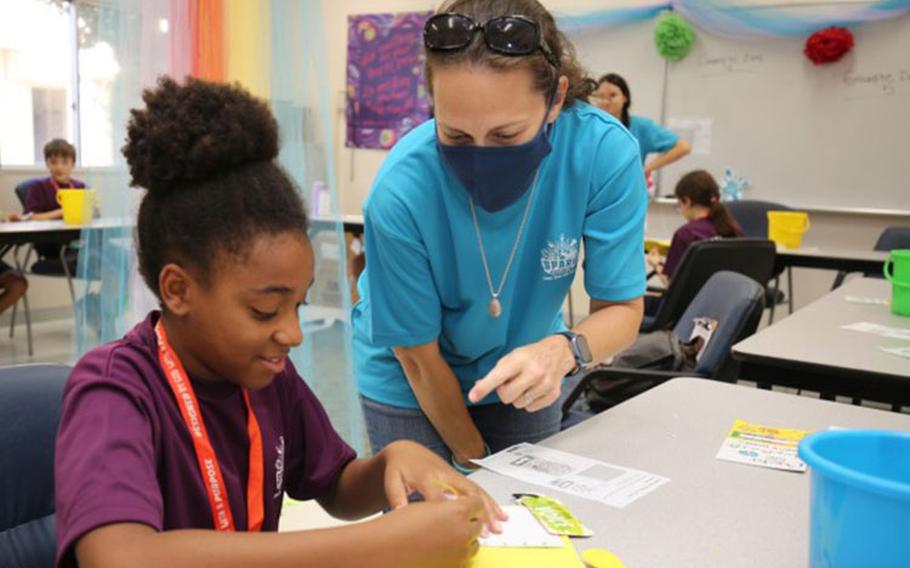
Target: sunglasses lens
[444, 32]
[511, 35]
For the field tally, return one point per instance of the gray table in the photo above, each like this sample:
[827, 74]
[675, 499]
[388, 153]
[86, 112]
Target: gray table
[842, 260]
[832, 259]
[56, 231]
[809, 349]
[712, 513]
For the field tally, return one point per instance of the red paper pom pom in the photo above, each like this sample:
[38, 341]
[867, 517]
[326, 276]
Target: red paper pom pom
[828, 45]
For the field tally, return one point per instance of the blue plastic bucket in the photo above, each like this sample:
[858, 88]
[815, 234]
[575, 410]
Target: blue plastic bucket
[860, 498]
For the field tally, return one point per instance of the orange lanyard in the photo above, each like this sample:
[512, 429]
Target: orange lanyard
[205, 453]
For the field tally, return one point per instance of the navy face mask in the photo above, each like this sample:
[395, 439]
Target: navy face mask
[497, 176]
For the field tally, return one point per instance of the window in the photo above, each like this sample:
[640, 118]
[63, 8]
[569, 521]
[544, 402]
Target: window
[47, 47]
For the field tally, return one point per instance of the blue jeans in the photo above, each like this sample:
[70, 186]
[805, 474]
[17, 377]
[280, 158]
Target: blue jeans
[500, 425]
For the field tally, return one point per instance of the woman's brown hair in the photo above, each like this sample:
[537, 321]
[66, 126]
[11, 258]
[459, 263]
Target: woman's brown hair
[545, 76]
[700, 188]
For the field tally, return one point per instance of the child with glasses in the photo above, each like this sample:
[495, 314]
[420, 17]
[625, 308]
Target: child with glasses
[614, 96]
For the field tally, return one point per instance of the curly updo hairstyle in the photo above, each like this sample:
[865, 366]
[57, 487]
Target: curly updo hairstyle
[205, 154]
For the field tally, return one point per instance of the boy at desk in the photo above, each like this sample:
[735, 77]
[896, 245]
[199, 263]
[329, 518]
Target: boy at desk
[40, 201]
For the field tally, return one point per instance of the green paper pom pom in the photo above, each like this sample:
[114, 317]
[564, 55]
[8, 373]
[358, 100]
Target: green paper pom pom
[673, 36]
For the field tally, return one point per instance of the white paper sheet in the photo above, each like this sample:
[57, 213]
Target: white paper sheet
[867, 300]
[695, 131]
[899, 351]
[610, 484]
[522, 530]
[878, 329]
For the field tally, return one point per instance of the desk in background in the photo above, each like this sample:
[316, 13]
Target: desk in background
[809, 350]
[352, 223]
[21, 232]
[832, 259]
[56, 232]
[712, 513]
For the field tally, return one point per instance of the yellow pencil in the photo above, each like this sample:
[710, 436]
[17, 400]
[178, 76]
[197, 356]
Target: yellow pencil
[449, 492]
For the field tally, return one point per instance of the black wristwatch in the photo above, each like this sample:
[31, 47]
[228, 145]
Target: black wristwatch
[580, 350]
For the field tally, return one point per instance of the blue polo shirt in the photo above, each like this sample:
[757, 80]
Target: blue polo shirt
[651, 136]
[424, 277]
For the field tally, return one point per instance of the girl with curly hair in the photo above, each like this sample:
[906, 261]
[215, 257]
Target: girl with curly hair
[178, 442]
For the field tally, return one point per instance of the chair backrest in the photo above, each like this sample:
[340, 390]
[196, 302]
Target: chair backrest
[752, 215]
[30, 401]
[736, 302]
[22, 189]
[890, 239]
[893, 238]
[750, 257]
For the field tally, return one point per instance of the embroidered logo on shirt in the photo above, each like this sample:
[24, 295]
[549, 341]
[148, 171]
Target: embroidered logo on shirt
[559, 258]
[279, 468]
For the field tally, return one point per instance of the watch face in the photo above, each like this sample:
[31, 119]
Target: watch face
[584, 351]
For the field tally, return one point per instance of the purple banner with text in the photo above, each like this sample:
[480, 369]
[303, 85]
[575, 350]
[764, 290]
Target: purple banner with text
[386, 94]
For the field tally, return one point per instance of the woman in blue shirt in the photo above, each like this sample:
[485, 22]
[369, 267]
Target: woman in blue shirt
[473, 230]
[613, 96]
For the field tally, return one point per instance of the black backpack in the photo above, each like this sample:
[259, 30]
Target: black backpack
[659, 350]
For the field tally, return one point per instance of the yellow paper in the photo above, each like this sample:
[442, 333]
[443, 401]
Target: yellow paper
[663, 247]
[600, 558]
[564, 557]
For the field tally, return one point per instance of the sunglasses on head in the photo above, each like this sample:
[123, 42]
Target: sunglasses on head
[509, 35]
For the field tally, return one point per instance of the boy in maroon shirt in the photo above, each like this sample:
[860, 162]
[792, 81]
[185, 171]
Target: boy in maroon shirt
[41, 197]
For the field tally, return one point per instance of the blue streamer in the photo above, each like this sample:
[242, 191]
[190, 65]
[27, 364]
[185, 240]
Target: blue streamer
[738, 20]
[783, 21]
[302, 106]
[609, 18]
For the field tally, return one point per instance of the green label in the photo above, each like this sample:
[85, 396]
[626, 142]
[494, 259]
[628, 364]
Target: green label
[553, 515]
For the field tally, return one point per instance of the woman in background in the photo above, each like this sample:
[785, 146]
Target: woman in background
[613, 96]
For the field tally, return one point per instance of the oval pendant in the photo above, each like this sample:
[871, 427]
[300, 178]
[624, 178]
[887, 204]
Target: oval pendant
[495, 308]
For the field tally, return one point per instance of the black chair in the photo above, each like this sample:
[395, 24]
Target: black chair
[735, 301]
[64, 266]
[30, 401]
[750, 257]
[752, 216]
[53, 261]
[890, 239]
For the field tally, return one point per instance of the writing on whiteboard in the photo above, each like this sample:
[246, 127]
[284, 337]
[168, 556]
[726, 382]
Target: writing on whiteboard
[886, 83]
[710, 65]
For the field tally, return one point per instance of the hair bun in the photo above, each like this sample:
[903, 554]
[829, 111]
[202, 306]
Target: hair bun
[195, 131]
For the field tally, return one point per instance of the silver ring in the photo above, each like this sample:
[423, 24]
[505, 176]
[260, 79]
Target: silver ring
[527, 399]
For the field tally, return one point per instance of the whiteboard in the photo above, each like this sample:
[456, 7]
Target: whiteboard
[831, 136]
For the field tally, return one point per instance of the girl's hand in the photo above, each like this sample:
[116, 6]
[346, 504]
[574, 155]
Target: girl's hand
[529, 377]
[439, 535]
[655, 261]
[410, 467]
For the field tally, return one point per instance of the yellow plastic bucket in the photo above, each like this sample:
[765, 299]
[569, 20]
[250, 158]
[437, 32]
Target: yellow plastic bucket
[78, 205]
[786, 228]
